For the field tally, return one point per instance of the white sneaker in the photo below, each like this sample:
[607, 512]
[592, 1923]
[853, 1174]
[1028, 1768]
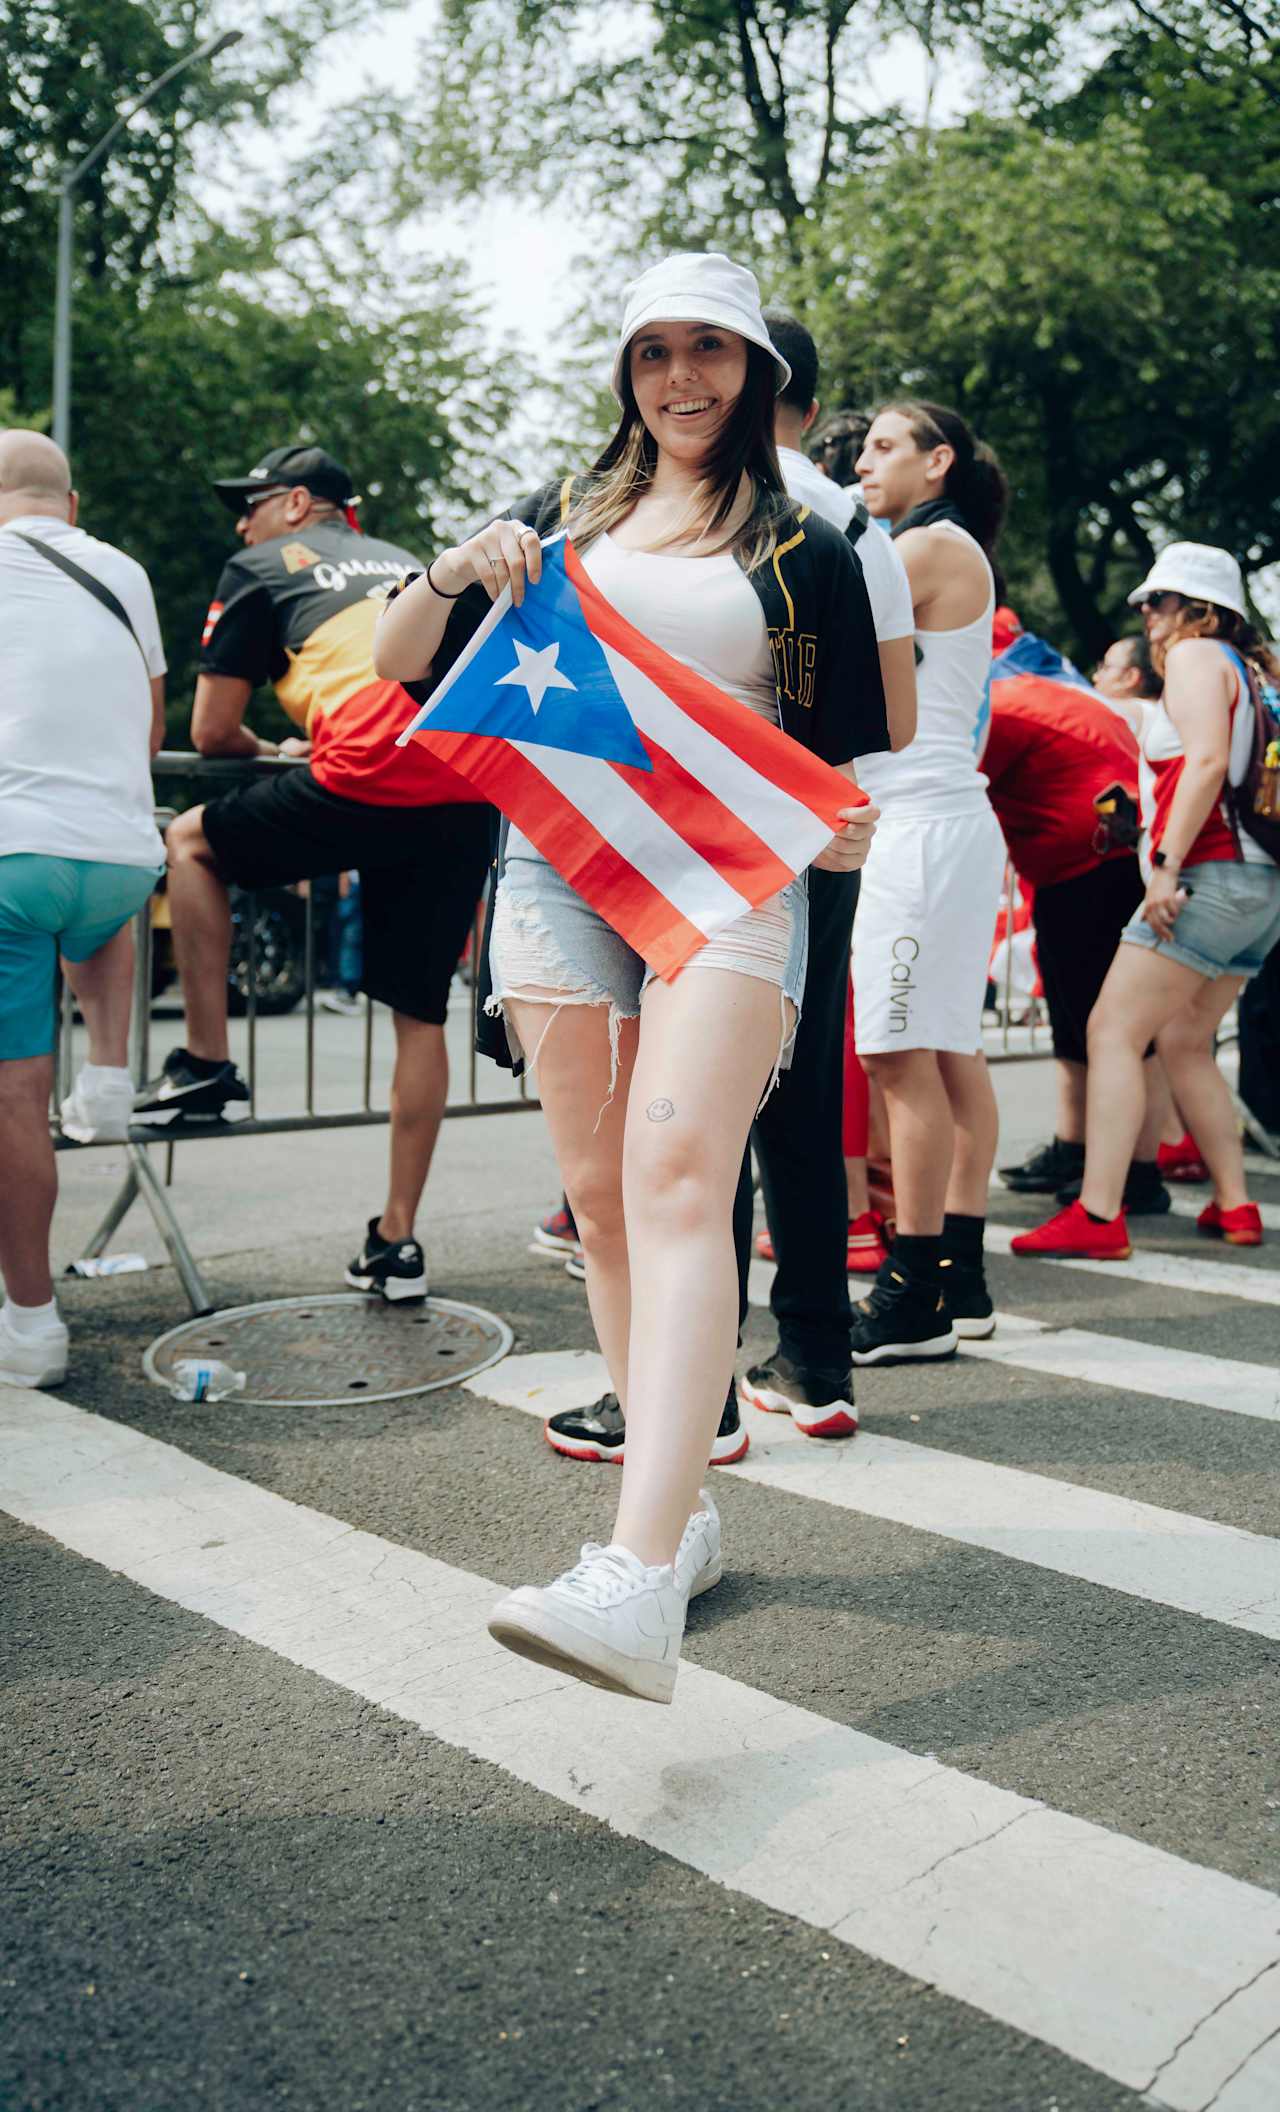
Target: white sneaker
[32, 1360]
[610, 1620]
[697, 1563]
[99, 1106]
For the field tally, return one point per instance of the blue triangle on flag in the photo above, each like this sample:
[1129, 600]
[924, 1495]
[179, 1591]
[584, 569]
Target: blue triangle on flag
[541, 677]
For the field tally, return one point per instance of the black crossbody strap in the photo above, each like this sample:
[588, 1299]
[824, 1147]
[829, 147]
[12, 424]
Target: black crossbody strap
[88, 582]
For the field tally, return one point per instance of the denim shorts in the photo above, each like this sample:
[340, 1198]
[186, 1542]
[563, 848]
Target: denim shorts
[47, 906]
[545, 937]
[1229, 925]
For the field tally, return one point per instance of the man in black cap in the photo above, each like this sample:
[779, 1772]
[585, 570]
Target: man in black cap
[297, 607]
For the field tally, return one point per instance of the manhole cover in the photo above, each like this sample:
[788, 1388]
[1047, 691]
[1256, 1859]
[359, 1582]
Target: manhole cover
[317, 1352]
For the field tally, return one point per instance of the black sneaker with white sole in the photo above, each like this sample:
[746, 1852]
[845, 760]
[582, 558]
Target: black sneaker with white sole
[967, 1299]
[395, 1269]
[598, 1433]
[904, 1321]
[819, 1403]
[192, 1089]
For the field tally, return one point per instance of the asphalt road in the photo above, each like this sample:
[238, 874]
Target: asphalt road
[1003, 1669]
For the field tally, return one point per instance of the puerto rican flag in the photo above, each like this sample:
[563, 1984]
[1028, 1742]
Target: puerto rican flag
[669, 806]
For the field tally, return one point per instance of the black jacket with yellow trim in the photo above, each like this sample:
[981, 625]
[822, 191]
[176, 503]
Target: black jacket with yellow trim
[825, 660]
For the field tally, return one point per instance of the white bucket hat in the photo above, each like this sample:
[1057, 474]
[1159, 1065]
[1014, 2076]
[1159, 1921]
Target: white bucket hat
[1200, 571]
[696, 286]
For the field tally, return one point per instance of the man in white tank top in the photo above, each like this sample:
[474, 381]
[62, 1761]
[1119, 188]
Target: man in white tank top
[930, 892]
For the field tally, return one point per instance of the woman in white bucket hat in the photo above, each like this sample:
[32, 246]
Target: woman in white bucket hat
[1210, 917]
[685, 527]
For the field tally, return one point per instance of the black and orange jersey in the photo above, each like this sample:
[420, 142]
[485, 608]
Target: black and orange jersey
[299, 612]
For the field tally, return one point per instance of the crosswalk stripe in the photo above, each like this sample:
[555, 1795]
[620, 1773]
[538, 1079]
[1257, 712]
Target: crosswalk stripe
[1152, 1970]
[1172, 1272]
[1222, 1383]
[1169, 1557]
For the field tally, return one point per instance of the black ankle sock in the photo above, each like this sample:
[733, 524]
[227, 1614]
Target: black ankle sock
[1076, 1150]
[1144, 1172]
[962, 1238]
[919, 1254]
[205, 1065]
[1094, 1218]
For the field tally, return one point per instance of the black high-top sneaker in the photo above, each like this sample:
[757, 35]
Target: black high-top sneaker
[819, 1403]
[192, 1089]
[904, 1321]
[967, 1299]
[395, 1269]
[1046, 1170]
[1145, 1194]
[599, 1432]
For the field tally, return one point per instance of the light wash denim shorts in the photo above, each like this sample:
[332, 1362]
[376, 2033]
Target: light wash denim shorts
[546, 938]
[1229, 925]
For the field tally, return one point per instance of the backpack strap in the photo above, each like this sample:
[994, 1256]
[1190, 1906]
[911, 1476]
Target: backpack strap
[859, 522]
[89, 581]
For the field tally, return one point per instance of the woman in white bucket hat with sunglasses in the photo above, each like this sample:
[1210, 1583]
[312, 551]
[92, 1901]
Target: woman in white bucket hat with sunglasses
[1210, 918]
[684, 525]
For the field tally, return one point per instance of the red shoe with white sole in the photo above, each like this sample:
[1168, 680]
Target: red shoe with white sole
[1241, 1227]
[1073, 1233]
[867, 1247]
[1181, 1161]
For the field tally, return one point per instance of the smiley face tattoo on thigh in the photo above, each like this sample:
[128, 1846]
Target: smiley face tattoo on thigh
[660, 1110]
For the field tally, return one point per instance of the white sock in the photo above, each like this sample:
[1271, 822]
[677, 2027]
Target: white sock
[31, 1319]
[105, 1074]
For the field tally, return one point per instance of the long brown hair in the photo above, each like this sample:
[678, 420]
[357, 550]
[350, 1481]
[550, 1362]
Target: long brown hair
[743, 443]
[1205, 619]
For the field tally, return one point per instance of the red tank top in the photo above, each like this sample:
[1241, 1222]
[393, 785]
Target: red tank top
[1162, 745]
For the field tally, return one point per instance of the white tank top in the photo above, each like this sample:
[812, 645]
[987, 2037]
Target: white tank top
[702, 610]
[939, 773]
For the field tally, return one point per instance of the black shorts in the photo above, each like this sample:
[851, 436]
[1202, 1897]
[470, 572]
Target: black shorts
[1078, 925]
[422, 872]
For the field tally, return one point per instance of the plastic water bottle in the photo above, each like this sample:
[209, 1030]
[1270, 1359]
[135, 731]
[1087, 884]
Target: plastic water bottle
[203, 1379]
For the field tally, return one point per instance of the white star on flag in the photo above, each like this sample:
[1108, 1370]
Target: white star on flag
[536, 672]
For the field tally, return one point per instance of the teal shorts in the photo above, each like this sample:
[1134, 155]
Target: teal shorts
[50, 906]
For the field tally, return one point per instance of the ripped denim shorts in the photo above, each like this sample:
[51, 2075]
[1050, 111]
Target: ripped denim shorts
[546, 938]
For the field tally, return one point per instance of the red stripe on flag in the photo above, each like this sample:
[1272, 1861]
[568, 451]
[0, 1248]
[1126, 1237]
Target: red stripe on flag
[765, 748]
[713, 830]
[641, 914]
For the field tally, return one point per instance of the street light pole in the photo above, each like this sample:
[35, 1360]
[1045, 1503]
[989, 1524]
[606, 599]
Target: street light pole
[70, 177]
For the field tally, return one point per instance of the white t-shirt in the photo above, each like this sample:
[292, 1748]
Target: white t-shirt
[75, 702]
[702, 610]
[888, 588]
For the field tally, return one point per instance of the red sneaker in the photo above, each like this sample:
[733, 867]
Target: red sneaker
[1182, 1161]
[1073, 1231]
[764, 1247]
[557, 1234]
[867, 1248]
[1241, 1227]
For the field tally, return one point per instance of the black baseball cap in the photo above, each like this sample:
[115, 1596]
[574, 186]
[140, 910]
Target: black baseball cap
[284, 467]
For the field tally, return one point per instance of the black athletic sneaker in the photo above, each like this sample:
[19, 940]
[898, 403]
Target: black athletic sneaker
[395, 1268]
[598, 1433]
[1145, 1194]
[903, 1321]
[820, 1404]
[967, 1300]
[1046, 1170]
[192, 1089]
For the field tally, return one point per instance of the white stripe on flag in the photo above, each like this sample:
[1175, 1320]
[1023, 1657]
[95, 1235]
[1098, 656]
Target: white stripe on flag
[640, 836]
[791, 830]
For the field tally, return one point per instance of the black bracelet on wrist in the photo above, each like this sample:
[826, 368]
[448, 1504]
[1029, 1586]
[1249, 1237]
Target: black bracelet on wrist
[440, 590]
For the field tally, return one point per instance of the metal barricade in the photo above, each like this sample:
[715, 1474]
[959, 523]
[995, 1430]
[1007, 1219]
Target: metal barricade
[1021, 1041]
[211, 776]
